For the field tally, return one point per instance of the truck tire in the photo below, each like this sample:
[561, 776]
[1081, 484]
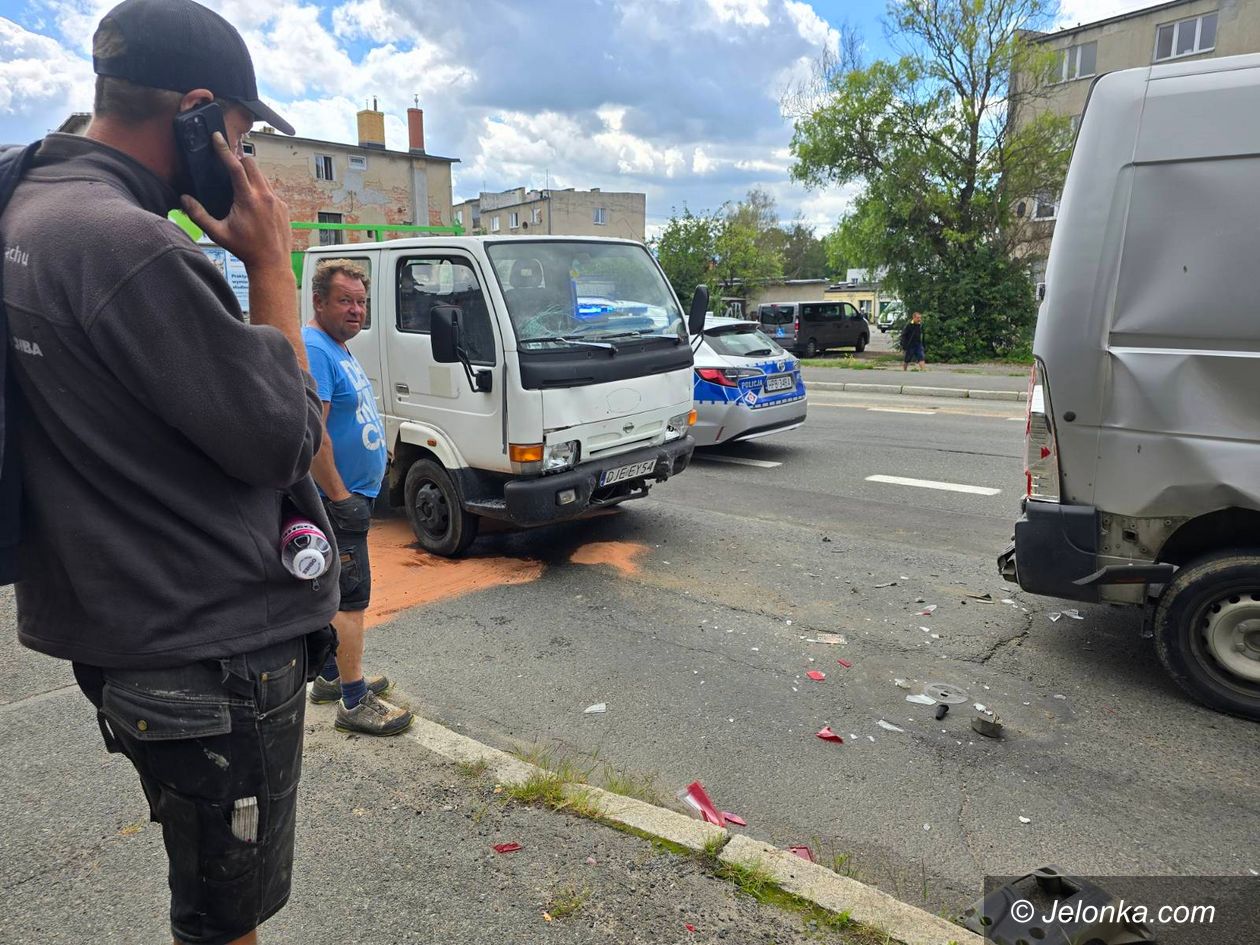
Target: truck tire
[862, 342]
[1207, 631]
[441, 524]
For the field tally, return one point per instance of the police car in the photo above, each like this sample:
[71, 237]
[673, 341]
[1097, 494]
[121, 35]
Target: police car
[746, 385]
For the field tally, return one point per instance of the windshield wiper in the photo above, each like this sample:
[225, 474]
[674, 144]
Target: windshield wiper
[644, 334]
[571, 341]
[757, 353]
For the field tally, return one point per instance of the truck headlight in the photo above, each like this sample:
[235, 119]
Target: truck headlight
[560, 456]
[678, 425]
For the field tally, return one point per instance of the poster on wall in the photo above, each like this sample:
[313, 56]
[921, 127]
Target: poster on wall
[233, 271]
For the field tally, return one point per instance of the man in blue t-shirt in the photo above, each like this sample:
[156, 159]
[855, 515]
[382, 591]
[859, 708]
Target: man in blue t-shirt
[348, 468]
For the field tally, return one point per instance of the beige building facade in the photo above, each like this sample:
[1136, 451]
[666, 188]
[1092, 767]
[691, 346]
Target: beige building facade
[569, 212]
[1167, 32]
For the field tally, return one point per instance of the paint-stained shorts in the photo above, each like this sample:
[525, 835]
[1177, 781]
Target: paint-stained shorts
[218, 746]
[356, 566]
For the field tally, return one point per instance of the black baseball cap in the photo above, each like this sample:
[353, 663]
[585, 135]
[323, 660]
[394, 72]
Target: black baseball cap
[179, 45]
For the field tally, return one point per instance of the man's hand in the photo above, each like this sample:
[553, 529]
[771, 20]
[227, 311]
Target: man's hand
[351, 515]
[256, 230]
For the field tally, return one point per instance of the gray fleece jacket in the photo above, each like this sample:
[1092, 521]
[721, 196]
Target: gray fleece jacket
[159, 433]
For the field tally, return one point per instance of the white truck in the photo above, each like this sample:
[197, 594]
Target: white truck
[530, 380]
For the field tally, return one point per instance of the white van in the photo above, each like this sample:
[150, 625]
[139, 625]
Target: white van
[522, 379]
[1143, 444]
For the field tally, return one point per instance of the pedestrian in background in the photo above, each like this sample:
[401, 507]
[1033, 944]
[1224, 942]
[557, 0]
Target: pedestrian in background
[349, 468]
[162, 439]
[912, 343]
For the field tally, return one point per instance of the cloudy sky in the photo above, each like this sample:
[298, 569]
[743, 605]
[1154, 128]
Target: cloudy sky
[675, 98]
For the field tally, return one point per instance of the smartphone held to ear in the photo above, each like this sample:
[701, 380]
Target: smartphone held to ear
[205, 175]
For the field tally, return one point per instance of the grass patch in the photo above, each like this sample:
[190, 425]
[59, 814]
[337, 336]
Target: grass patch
[628, 784]
[750, 879]
[874, 363]
[713, 846]
[567, 901]
[472, 769]
[541, 787]
[559, 762]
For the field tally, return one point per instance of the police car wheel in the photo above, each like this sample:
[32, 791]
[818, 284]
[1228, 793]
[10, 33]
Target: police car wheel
[441, 524]
[1207, 631]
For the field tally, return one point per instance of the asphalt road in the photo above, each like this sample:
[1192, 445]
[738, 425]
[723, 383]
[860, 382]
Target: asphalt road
[697, 635]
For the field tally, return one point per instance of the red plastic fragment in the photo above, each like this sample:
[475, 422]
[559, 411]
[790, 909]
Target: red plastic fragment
[735, 818]
[689, 927]
[695, 796]
[828, 735]
[845, 663]
[506, 847]
[805, 853]
[816, 676]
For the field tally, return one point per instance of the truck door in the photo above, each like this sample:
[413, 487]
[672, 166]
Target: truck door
[440, 394]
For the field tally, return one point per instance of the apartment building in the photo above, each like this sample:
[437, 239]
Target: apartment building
[363, 183]
[1167, 32]
[568, 212]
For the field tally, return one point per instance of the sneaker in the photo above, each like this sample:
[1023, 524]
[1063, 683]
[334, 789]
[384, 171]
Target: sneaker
[373, 716]
[324, 690]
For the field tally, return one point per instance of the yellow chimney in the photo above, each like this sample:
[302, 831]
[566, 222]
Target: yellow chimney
[372, 128]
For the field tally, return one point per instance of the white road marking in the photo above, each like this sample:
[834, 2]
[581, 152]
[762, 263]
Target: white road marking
[1018, 419]
[738, 460]
[922, 413]
[932, 484]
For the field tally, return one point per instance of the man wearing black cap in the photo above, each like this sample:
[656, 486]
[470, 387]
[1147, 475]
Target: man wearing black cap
[163, 441]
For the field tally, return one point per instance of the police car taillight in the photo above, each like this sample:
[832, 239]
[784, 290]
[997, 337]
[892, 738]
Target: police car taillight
[1041, 448]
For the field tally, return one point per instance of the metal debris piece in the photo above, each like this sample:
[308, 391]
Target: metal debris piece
[918, 699]
[988, 725]
[595, 709]
[1089, 913]
[944, 692]
[889, 727]
[1073, 613]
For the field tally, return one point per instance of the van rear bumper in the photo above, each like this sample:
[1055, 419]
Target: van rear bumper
[537, 501]
[1055, 547]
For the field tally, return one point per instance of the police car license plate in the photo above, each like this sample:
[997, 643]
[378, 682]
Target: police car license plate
[780, 382]
[622, 473]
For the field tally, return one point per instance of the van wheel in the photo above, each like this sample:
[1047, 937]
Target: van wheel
[1207, 631]
[439, 521]
[862, 342]
[811, 348]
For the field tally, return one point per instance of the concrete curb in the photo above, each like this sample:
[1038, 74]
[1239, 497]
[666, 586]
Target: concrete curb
[808, 881]
[955, 393]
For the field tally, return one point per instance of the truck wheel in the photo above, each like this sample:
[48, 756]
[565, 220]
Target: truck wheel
[439, 521]
[861, 344]
[811, 348]
[1207, 631]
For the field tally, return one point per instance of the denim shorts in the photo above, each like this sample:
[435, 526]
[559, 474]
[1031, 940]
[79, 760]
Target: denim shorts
[915, 353]
[218, 746]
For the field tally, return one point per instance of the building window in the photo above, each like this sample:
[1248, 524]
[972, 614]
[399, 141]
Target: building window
[535, 216]
[459, 217]
[514, 220]
[1045, 207]
[324, 167]
[600, 216]
[1185, 37]
[494, 224]
[358, 163]
[330, 237]
[247, 148]
[1076, 62]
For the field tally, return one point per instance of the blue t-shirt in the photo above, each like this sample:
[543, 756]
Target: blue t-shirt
[354, 426]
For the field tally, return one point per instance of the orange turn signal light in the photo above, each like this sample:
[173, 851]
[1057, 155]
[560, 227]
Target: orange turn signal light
[525, 452]
[691, 417]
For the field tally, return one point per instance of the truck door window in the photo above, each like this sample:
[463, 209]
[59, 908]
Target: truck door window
[429, 281]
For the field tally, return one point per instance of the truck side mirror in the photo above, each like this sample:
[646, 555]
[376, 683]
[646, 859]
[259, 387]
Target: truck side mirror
[444, 333]
[699, 307]
[448, 348]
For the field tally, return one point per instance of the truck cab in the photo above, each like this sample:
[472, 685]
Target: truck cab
[530, 380]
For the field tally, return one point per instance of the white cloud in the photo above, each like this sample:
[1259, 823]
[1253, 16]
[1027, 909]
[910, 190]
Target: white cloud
[35, 70]
[740, 12]
[1077, 12]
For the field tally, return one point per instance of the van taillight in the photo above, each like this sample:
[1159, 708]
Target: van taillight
[1041, 448]
[796, 326]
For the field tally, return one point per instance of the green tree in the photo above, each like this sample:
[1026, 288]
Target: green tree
[942, 149]
[686, 249]
[804, 254]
